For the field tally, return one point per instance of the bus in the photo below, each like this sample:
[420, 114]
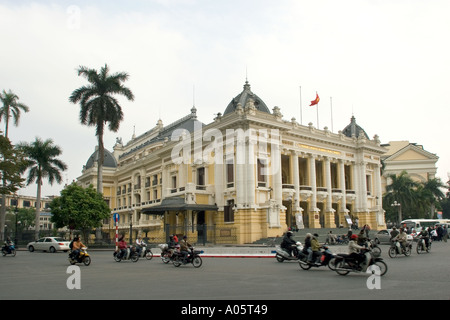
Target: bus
[418, 224]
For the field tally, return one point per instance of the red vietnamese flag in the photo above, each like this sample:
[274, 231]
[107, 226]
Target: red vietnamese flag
[316, 101]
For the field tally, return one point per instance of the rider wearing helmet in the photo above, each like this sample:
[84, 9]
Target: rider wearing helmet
[354, 249]
[288, 243]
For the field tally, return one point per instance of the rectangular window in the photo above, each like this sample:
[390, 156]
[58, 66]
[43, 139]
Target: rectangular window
[230, 174]
[262, 173]
[228, 213]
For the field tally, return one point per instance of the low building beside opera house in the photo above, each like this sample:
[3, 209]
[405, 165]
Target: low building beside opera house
[247, 175]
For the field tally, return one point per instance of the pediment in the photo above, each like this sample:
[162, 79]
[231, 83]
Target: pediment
[412, 152]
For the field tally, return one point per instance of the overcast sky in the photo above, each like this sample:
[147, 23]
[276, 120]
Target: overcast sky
[385, 62]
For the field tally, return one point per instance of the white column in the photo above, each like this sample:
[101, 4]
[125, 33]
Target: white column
[250, 171]
[312, 181]
[342, 185]
[328, 184]
[294, 158]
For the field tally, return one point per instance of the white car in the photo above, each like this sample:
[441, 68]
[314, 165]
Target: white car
[50, 244]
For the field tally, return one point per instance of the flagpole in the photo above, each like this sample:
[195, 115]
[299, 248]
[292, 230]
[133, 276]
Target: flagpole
[318, 127]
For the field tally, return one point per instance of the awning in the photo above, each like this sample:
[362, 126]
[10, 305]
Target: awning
[177, 204]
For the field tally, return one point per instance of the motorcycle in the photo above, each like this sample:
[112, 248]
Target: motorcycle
[326, 259]
[282, 254]
[145, 252]
[130, 254]
[193, 257]
[421, 246]
[346, 264]
[376, 250]
[166, 253]
[396, 248]
[9, 249]
[83, 257]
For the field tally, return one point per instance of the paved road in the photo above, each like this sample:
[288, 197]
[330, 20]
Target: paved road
[36, 276]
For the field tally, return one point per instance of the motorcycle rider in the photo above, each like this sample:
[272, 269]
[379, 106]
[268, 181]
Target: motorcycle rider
[139, 245]
[122, 247]
[354, 250]
[423, 234]
[288, 243]
[394, 233]
[184, 248]
[76, 247]
[315, 247]
[8, 244]
[401, 238]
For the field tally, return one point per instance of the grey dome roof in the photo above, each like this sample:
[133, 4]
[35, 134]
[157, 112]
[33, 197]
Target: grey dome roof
[354, 130]
[109, 161]
[243, 97]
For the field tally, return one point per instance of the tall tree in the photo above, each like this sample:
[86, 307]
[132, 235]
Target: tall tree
[401, 189]
[42, 163]
[11, 168]
[99, 106]
[11, 108]
[79, 208]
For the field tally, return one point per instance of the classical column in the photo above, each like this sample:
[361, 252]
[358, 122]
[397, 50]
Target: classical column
[328, 214]
[294, 159]
[312, 181]
[343, 203]
[250, 171]
[240, 173]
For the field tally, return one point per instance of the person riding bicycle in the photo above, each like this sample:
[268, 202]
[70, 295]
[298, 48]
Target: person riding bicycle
[423, 234]
[184, 248]
[288, 243]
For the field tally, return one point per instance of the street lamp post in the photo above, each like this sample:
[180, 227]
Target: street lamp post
[131, 227]
[399, 206]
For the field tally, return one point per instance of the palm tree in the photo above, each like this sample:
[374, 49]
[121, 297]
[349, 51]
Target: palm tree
[403, 190]
[11, 108]
[42, 164]
[99, 107]
[432, 194]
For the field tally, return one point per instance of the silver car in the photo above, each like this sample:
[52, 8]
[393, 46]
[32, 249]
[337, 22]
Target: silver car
[49, 244]
[384, 237]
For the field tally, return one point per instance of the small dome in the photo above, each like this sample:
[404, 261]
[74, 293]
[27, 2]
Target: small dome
[243, 97]
[354, 130]
[109, 161]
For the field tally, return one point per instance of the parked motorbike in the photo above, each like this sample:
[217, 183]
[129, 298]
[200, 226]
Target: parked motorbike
[422, 247]
[9, 249]
[346, 264]
[145, 252]
[396, 249]
[193, 257]
[130, 254]
[83, 257]
[282, 254]
[326, 259]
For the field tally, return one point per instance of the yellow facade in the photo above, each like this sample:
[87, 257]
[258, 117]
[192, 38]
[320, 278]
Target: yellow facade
[246, 176]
